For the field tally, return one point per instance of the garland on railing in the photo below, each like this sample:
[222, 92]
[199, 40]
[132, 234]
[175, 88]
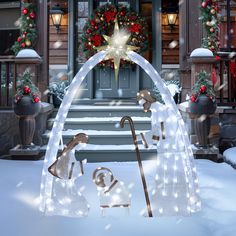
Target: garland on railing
[102, 23]
[210, 19]
[28, 33]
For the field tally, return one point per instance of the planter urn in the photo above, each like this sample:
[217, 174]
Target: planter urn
[26, 110]
[202, 109]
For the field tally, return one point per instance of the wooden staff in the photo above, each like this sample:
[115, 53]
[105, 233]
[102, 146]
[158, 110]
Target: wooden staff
[129, 119]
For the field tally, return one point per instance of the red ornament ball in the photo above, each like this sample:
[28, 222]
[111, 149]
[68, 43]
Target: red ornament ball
[23, 45]
[193, 98]
[204, 4]
[18, 39]
[32, 15]
[203, 89]
[36, 99]
[88, 31]
[26, 90]
[25, 11]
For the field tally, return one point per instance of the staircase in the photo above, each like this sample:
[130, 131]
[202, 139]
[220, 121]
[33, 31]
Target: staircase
[107, 141]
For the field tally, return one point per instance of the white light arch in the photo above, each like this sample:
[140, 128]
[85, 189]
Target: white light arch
[54, 140]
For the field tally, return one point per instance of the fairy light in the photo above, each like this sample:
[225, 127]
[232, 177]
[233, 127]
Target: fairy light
[47, 180]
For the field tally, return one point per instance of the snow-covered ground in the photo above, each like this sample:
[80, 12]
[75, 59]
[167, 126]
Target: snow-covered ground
[19, 214]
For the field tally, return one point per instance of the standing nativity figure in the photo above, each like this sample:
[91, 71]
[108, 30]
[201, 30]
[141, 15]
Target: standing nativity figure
[176, 185]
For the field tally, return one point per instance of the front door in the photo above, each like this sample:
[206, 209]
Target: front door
[101, 83]
[106, 86]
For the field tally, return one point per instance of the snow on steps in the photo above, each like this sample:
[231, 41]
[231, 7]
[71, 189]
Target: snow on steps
[98, 136]
[103, 123]
[107, 141]
[108, 153]
[79, 111]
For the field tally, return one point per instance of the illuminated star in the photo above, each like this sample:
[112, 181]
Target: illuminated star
[117, 47]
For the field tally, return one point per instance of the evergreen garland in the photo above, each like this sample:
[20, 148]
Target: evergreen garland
[210, 19]
[28, 33]
[203, 85]
[25, 86]
[102, 23]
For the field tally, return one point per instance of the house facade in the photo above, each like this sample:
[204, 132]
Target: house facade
[62, 54]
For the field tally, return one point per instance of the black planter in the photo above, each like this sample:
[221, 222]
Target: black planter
[202, 128]
[26, 110]
[203, 105]
[26, 107]
[56, 101]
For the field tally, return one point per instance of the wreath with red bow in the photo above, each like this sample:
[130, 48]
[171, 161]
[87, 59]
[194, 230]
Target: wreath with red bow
[102, 23]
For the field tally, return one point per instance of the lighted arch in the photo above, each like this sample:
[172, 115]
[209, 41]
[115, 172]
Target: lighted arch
[54, 140]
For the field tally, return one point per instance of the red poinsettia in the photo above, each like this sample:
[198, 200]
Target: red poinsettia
[135, 28]
[96, 40]
[110, 15]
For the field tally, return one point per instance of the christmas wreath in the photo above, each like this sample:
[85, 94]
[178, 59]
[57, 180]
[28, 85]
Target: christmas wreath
[211, 20]
[27, 25]
[102, 23]
[204, 86]
[25, 86]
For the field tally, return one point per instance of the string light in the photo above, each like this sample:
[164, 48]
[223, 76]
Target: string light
[54, 139]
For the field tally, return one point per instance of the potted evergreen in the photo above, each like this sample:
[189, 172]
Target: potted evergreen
[58, 90]
[202, 104]
[26, 107]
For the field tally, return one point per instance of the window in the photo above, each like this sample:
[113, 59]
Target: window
[9, 14]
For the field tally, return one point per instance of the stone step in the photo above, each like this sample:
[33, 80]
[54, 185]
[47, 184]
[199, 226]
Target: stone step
[98, 137]
[108, 153]
[79, 111]
[103, 123]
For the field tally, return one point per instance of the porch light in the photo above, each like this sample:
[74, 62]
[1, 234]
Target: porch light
[56, 14]
[172, 18]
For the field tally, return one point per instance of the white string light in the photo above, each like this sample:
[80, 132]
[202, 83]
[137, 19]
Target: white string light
[52, 148]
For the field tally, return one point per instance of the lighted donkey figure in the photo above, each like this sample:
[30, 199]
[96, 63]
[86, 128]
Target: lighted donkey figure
[66, 197]
[173, 193]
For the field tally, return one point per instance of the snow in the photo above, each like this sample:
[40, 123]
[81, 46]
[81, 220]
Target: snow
[229, 156]
[19, 215]
[26, 53]
[201, 52]
[72, 132]
[120, 148]
[105, 108]
[103, 119]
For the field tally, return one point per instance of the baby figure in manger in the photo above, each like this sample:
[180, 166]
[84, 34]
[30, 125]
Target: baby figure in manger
[176, 185]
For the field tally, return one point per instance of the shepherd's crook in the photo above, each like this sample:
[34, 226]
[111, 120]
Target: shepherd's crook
[129, 119]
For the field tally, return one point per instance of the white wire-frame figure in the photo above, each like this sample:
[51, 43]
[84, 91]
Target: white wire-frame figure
[52, 148]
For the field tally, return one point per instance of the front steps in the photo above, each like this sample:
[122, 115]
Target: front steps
[107, 141]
